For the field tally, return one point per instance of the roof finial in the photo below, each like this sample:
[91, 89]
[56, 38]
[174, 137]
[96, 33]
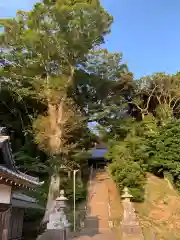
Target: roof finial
[3, 131]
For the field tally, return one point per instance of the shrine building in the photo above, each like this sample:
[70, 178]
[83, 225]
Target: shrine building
[12, 183]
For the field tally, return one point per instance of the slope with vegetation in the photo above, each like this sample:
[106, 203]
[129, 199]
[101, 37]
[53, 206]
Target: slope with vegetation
[148, 141]
[159, 214]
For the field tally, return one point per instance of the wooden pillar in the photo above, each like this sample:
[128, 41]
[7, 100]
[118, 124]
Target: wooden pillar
[4, 223]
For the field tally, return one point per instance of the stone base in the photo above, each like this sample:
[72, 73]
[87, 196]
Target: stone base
[52, 226]
[4, 234]
[132, 237]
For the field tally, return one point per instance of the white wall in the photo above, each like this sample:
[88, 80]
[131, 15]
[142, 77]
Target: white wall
[5, 194]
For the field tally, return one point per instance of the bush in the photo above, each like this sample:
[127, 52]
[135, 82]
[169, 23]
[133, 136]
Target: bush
[127, 173]
[164, 151]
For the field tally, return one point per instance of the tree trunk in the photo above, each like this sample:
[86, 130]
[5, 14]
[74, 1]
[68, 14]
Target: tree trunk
[55, 138]
[57, 118]
[54, 186]
[142, 115]
[69, 175]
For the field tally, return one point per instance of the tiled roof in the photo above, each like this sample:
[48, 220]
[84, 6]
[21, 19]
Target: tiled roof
[98, 152]
[23, 201]
[20, 176]
[11, 169]
[28, 177]
[23, 197]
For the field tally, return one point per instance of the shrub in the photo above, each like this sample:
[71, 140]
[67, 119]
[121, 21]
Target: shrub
[164, 151]
[129, 174]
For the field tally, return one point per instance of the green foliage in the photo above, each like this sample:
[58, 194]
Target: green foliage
[29, 162]
[41, 193]
[129, 157]
[164, 149]
[126, 172]
[81, 191]
[32, 215]
[43, 57]
[107, 78]
[164, 113]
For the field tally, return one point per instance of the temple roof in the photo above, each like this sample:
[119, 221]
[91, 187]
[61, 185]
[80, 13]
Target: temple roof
[18, 177]
[98, 152]
[8, 169]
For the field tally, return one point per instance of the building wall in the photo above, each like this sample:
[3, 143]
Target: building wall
[16, 224]
[4, 222]
[5, 194]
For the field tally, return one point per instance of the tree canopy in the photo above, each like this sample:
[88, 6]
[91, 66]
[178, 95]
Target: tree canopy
[57, 78]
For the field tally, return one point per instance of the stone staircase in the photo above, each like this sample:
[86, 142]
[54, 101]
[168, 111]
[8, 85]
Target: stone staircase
[96, 226]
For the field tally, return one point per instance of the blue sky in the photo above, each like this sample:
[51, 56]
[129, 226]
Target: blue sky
[146, 31]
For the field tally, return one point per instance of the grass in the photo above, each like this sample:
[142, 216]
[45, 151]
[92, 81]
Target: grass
[159, 215]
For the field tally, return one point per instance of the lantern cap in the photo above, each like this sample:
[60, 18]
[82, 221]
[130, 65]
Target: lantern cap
[61, 197]
[126, 193]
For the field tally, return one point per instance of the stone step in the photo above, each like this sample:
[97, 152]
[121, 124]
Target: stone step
[96, 223]
[95, 236]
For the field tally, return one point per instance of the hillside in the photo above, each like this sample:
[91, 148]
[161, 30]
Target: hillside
[159, 215]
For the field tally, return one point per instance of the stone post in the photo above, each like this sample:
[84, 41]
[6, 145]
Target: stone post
[130, 224]
[5, 234]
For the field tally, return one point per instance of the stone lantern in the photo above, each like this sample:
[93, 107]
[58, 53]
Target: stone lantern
[130, 224]
[57, 219]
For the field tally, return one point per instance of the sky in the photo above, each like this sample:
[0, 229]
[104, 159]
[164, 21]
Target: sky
[147, 32]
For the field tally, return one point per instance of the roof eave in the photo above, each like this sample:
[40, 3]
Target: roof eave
[11, 176]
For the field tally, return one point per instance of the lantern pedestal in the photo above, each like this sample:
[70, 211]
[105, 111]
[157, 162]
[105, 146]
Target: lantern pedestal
[58, 220]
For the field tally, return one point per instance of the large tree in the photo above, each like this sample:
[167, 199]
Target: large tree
[45, 47]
